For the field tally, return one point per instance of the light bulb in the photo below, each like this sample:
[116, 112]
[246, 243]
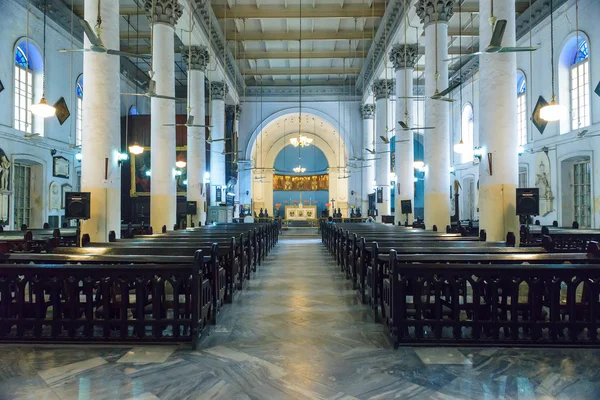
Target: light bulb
[148, 173]
[136, 149]
[418, 165]
[180, 164]
[78, 156]
[552, 112]
[43, 109]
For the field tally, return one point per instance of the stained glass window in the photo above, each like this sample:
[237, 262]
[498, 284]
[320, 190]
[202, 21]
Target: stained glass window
[582, 53]
[21, 58]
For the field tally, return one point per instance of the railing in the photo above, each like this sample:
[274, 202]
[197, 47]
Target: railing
[460, 304]
[104, 303]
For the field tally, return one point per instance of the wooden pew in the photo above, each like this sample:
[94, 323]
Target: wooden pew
[102, 302]
[498, 302]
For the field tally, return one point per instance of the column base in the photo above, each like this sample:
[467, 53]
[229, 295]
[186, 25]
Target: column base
[105, 214]
[163, 211]
[437, 211]
[497, 211]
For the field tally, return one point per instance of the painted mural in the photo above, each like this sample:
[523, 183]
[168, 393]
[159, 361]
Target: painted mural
[301, 183]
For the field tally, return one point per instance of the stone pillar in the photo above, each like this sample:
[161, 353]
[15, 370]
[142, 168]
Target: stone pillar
[218, 93]
[163, 190]
[434, 16]
[197, 57]
[367, 112]
[233, 112]
[498, 170]
[383, 90]
[101, 141]
[404, 59]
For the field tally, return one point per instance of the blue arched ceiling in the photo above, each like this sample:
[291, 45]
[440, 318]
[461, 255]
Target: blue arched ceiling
[312, 158]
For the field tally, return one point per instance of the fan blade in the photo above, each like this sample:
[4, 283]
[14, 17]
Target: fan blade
[89, 32]
[518, 49]
[190, 120]
[73, 50]
[454, 58]
[151, 86]
[370, 151]
[449, 89]
[384, 139]
[126, 54]
[440, 98]
[498, 34]
[407, 97]
[159, 96]
[134, 94]
[425, 128]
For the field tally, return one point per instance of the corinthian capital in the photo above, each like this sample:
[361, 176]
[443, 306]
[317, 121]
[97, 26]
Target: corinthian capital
[367, 111]
[384, 88]
[197, 57]
[165, 11]
[233, 110]
[403, 57]
[433, 11]
[218, 90]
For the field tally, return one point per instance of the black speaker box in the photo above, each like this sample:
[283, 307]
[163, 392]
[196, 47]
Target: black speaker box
[406, 206]
[192, 208]
[528, 201]
[77, 205]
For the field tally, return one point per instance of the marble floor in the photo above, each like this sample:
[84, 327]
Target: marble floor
[298, 332]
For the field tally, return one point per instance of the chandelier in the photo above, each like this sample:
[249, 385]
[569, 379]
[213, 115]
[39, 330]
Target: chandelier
[301, 140]
[299, 169]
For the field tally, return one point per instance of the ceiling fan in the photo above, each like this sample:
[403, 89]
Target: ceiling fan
[97, 46]
[495, 45]
[151, 93]
[377, 152]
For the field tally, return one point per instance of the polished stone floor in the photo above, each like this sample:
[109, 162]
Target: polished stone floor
[297, 333]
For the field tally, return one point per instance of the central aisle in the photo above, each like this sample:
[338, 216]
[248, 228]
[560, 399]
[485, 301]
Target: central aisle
[297, 332]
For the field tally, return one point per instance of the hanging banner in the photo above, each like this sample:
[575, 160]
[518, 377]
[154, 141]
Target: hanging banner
[301, 183]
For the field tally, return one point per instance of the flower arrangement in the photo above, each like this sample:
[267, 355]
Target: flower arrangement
[327, 205]
[278, 206]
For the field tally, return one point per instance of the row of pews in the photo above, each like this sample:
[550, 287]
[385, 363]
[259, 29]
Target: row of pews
[160, 288]
[447, 289]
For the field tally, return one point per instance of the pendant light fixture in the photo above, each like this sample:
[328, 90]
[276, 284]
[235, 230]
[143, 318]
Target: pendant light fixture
[553, 111]
[43, 109]
[460, 147]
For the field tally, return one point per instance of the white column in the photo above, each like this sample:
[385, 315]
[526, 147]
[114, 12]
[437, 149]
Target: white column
[368, 174]
[498, 128]
[436, 141]
[404, 59]
[101, 139]
[383, 90]
[197, 57]
[217, 159]
[163, 190]
[233, 112]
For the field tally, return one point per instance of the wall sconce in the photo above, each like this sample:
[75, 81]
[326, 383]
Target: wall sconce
[149, 173]
[121, 158]
[78, 157]
[520, 150]
[478, 153]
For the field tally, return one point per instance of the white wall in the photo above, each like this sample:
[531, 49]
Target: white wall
[61, 75]
[560, 147]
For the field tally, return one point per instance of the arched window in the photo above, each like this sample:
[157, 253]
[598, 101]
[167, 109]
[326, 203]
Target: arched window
[521, 108]
[580, 85]
[23, 89]
[467, 132]
[28, 70]
[78, 124]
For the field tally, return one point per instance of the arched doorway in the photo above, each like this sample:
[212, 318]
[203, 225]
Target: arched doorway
[258, 173]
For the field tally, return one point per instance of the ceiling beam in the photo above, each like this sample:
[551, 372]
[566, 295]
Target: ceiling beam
[317, 35]
[305, 71]
[323, 11]
[285, 55]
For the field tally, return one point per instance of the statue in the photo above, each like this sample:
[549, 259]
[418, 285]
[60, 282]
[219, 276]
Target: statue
[261, 214]
[4, 170]
[542, 181]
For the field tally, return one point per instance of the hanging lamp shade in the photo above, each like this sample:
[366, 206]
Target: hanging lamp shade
[460, 147]
[43, 109]
[552, 112]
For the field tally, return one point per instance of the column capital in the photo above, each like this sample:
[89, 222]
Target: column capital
[367, 111]
[233, 110]
[404, 58]
[197, 57]
[165, 11]
[384, 88]
[433, 11]
[218, 90]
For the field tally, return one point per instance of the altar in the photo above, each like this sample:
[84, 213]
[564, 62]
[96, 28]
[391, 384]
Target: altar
[300, 212]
